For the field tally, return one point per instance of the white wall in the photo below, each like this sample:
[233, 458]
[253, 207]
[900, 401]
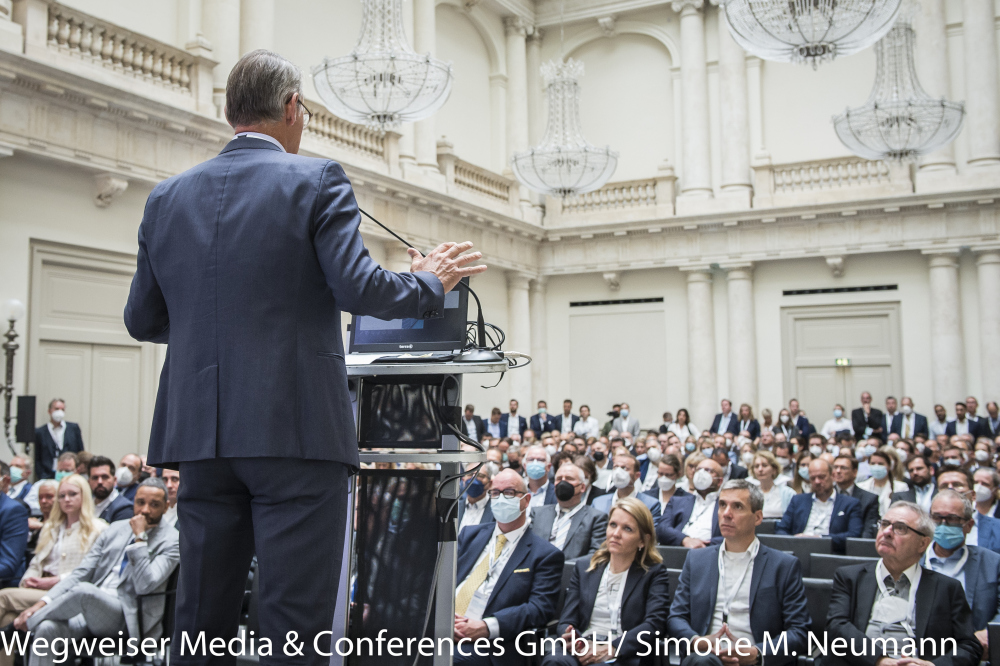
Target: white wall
[154, 18]
[491, 287]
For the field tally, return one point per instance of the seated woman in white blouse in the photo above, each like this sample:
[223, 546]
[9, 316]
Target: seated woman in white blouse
[66, 537]
[882, 481]
[682, 426]
[765, 470]
[616, 594]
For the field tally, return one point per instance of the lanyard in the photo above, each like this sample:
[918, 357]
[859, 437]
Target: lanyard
[958, 567]
[727, 601]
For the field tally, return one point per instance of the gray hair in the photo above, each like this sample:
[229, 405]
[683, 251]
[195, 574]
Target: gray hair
[49, 483]
[259, 86]
[583, 476]
[156, 482]
[548, 458]
[967, 506]
[924, 521]
[756, 496]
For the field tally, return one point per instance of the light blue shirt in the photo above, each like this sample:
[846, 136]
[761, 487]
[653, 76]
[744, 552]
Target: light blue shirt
[263, 137]
[946, 565]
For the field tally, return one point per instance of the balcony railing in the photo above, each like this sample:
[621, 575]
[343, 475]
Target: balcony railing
[613, 196]
[826, 181]
[491, 189]
[328, 127]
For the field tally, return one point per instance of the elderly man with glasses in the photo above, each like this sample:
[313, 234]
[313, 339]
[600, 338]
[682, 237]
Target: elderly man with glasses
[886, 609]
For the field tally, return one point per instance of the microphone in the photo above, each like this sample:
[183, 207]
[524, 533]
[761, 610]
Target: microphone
[482, 353]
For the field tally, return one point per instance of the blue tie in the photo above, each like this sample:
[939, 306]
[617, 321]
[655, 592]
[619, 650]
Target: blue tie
[125, 558]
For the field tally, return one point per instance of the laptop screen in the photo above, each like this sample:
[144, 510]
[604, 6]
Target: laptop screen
[445, 334]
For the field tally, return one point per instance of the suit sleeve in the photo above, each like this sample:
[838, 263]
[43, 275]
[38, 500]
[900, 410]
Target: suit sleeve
[541, 604]
[787, 523]
[969, 650]
[360, 285]
[839, 622]
[794, 611]
[854, 527]
[13, 540]
[657, 610]
[571, 605]
[149, 572]
[598, 532]
[679, 617]
[668, 534]
[146, 315]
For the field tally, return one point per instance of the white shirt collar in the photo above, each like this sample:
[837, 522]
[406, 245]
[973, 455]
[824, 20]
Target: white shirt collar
[513, 535]
[264, 137]
[912, 574]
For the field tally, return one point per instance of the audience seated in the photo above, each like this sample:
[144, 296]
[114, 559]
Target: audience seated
[46, 500]
[986, 530]
[616, 594]
[128, 483]
[474, 507]
[822, 512]
[624, 476]
[740, 589]
[570, 525]
[766, 470]
[109, 505]
[692, 521]
[21, 487]
[13, 532]
[172, 480]
[491, 600]
[845, 472]
[976, 569]
[66, 536]
[896, 597]
[665, 488]
[100, 597]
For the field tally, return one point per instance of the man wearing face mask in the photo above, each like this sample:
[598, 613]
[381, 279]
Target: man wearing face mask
[491, 601]
[692, 521]
[624, 476]
[626, 422]
[537, 463]
[541, 422]
[977, 569]
[21, 488]
[952, 457]
[783, 454]
[599, 454]
[823, 512]
[571, 526]
[53, 438]
[909, 424]
[474, 508]
[987, 481]
[986, 531]
[128, 475]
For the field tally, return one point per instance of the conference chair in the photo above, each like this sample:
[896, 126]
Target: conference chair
[861, 548]
[801, 547]
[822, 565]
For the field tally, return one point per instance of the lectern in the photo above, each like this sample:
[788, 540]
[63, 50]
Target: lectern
[398, 573]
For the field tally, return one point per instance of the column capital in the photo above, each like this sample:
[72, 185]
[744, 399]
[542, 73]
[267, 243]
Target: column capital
[518, 280]
[742, 270]
[539, 283]
[535, 35]
[686, 6]
[701, 273]
[516, 25]
[987, 256]
[942, 258]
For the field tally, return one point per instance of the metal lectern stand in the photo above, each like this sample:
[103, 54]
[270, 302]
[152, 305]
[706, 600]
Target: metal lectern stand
[448, 455]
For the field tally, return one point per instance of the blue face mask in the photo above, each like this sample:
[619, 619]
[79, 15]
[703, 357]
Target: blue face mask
[504, 457]
[878, 471]
[535, 470]
[62, 475]
[949, 537]
[16, 475]
[837, 413]
[624, 413]
[689, 446]
[506, 510]
[476, 488]
[804, 473]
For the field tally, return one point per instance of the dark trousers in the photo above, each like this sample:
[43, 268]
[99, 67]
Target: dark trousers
[292, 513]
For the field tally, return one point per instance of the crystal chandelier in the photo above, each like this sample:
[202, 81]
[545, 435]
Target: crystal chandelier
[564, 163]
[899, 121]
[383, 82]
[808, 30]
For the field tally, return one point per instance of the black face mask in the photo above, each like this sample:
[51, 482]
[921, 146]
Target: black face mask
[143, 476]
[564, 491]
[598, 456]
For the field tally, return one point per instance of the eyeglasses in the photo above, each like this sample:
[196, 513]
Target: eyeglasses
[306, 113]
[899, 528]
[949, 519]
[510, 493]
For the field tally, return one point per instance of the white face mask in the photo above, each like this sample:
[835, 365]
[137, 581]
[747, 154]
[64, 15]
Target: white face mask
[982, 456]
[703, 479]
[551, 450]
[665, 483]
[123, 475]
[903, 455]
[654, 455]
[747, 458]
[58, 415]
[815, 450]
[783, 462]
[983, 494]
[920, 447]
[621, 478]
[785, 418]
[906, 409]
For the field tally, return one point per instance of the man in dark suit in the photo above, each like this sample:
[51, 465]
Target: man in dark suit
[725, 421]
[624, 478]
[989, 425]
[244, 265]
[768, 601]
[110, 505]
[986, 531]
[128, 484]
[505, 419]
[692, 520]
[522, 595]
[977, 569]
[474, 508]
[874, 600]
[962, 424]
[472, 425]
[55, 438]
[571, 526]
[891, 416]
[541, 422]
[801, 422]
[923, 487]
[13, 532]
[868, 421]
[730, 470]
[845, 473]
[566, 421]
[822, 512]
[909, 424]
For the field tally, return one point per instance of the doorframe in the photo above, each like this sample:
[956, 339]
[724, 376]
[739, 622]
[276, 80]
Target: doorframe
[792, 313]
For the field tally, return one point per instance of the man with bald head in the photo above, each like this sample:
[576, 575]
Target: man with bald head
[823, 512]
[491, 600]
[570, 525]
[692, 520]
[130, 482]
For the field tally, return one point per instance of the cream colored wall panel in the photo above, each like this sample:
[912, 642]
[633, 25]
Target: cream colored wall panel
[819, 341]
[116, 428]
[876, 379]
[819, 389]
[14, 113]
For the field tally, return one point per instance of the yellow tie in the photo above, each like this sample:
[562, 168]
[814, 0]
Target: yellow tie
[476, 578]
[906, 432]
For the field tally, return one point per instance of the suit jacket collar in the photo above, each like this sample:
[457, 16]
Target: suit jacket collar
[867, 587]
[242, 142]
[925, 599]
[479, 541]
[971, 570]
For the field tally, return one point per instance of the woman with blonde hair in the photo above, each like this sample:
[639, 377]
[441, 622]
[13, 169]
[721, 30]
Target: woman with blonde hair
[765, 469]
[619, 593]
[66, 536]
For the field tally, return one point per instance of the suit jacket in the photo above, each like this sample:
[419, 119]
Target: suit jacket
[654, 492]
[982, 586]
[644, 604]
[737, 471]
[603, 503]
[538, 426]
[951, 429]
[869, 511]
[753, 428]
[988, 532]
[522, 425]
[149, 568]
[986, 428]
[587, 529]
[875, 421]
[845, 521]
[525, 594]
[633, 425]
[478, 423]
[941, 612]
[13, 539]
[804, 426]
[119, 509]
[919, 425]
[45, 448]
[777, 601]
[792, 430]
[911, 495]
[245, 263]
[557, 422]
[487, 517]
[678, 513]
[128, 492]
[595, 492]
[733, 426]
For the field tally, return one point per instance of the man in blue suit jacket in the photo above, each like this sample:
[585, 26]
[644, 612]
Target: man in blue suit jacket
[725, 421]
[46, 451]
[986, 530]
[917, 422]
[13, 533]
[805, 428]
[245, 263]
[522, 596]
[773, 604]
[674, 529]
[522, 423]
[559, 419]
[845, 517]
[542, 421]
[628, 475]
